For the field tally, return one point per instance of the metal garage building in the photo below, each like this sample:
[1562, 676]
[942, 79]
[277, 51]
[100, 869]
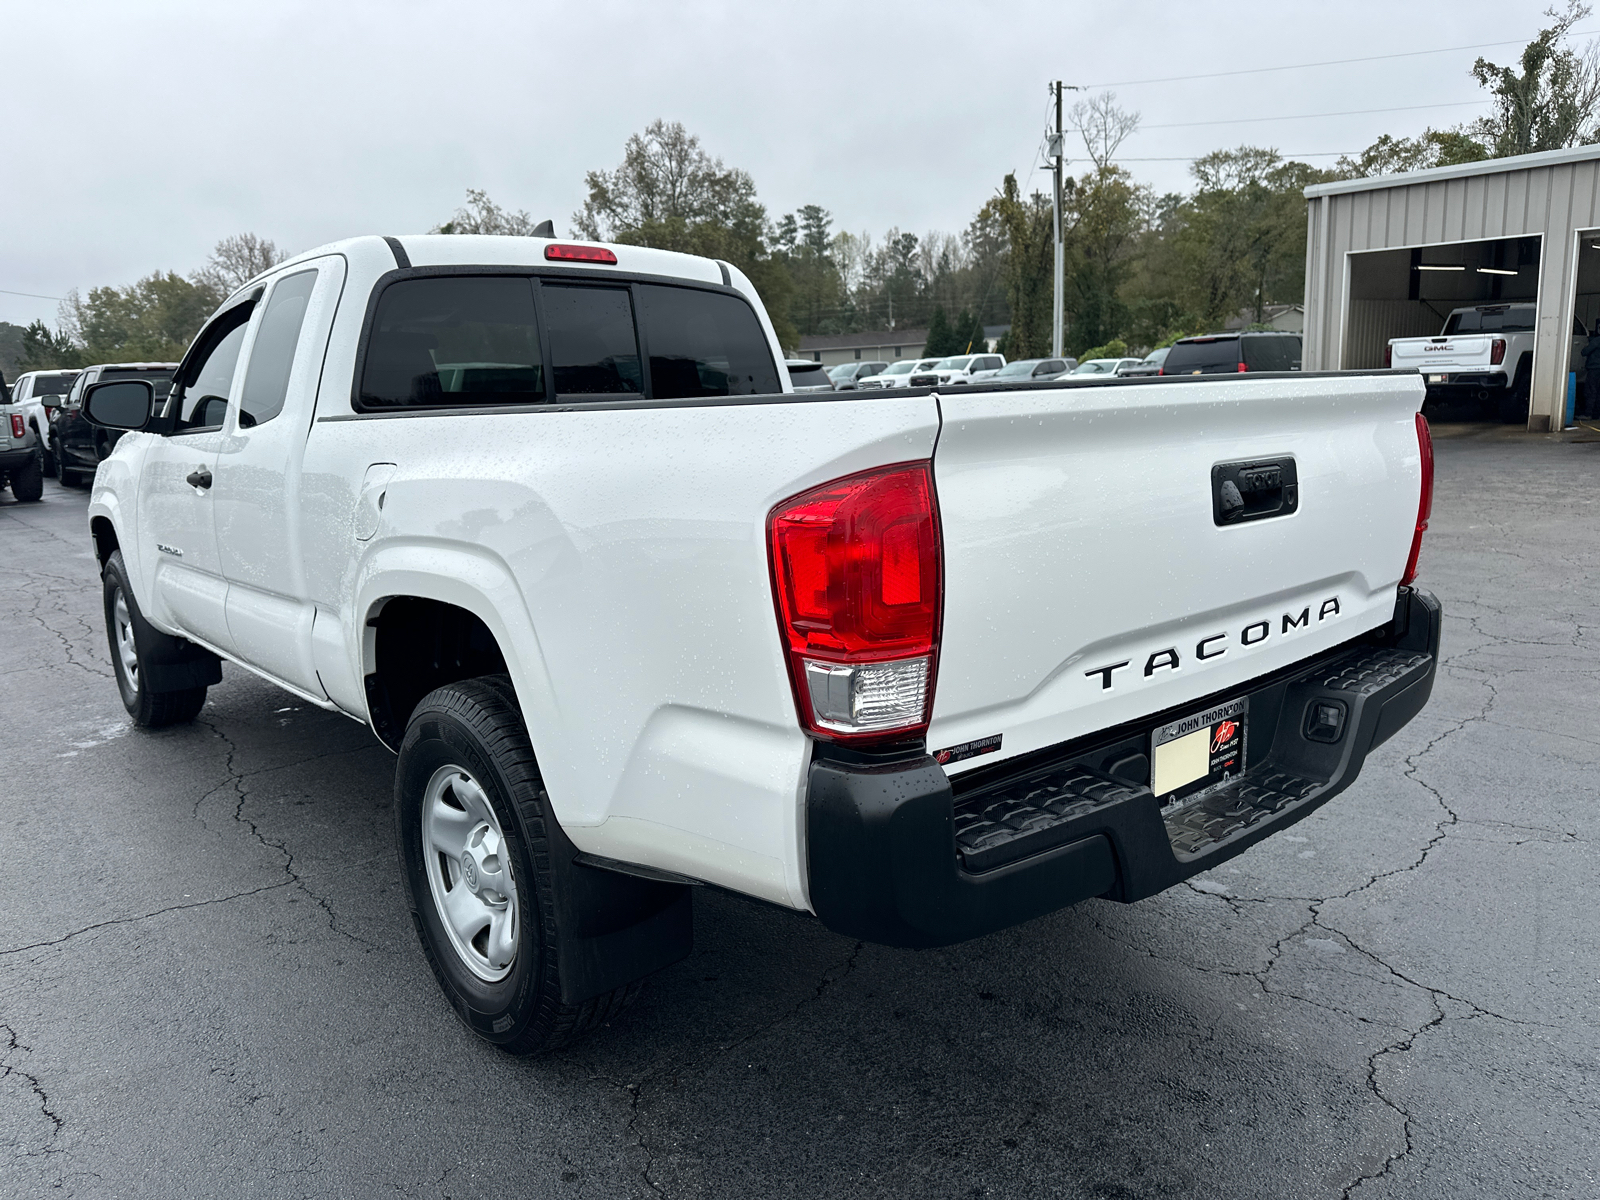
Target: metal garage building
[1524, 228]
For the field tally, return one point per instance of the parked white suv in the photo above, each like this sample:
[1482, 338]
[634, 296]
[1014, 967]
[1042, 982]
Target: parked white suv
[959, 368]
[897, 374]
[634, 616]
[30, 391]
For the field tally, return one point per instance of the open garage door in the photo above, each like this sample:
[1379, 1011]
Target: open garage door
[1585, 359]
[1409, 293]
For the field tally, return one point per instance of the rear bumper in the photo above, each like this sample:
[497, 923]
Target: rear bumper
[898, 856]
[16, 458]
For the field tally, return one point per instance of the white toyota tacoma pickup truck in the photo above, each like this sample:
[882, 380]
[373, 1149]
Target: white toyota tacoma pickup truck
[1484, 353]
[636, 618]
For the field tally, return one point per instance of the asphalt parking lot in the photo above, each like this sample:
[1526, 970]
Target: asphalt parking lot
[209, 987]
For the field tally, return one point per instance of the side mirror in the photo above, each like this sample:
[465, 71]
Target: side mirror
[51, 401]
[119, 404]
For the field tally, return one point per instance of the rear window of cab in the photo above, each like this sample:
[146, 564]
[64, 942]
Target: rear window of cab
[474, 341]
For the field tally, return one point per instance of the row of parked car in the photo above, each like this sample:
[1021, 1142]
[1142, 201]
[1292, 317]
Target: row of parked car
[1211, 354]
[43, 432]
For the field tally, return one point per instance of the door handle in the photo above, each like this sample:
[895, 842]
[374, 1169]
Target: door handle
[200, 477]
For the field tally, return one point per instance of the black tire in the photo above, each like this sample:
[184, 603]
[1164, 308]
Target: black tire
[27, 483]
[149, 709]
[65, 475]
[49, 452]
[1514, 404]
[474, 726]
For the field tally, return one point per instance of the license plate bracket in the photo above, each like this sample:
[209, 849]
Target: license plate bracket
[1196, 756]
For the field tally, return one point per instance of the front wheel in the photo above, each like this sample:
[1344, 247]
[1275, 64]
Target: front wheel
[132, 640]
[471, 813]
[65, 475]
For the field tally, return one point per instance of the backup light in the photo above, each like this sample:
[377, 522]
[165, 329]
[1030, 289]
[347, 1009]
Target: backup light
[561, 251]
[1425, 504]
[857, 580]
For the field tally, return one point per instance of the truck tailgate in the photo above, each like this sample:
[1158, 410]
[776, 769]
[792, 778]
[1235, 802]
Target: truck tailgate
[1440, 354]
[1087, 581]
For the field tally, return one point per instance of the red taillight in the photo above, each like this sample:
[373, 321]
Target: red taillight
[857, 577]
[568, 253]
[1243, 367]
[1497, 352]
[1425, 505]
[1388, 358]
[18, 429]
[1161, 370]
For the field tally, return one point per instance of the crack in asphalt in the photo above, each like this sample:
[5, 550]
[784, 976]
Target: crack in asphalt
[635, 1089]
[134, 920]
[236, 780]
[1315, 920]
[35, 1087]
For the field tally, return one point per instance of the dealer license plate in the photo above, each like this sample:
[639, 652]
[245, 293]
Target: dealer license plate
[1194, 757]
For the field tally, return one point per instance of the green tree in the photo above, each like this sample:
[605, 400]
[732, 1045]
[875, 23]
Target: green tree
[1024, 226]
[941, 340]
[1241, 236]
[1104, 217]
[1390, 155]
[151, 320]
[43, 348]
[482, 215]
[670, 194]
[966, 334]
[1553, 103]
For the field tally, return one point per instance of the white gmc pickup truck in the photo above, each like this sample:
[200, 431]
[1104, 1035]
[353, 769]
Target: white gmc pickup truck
[1485, 353]
[637, 618]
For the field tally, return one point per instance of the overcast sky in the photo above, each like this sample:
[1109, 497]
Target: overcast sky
[138, 134]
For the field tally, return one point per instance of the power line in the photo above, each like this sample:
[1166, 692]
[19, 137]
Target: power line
[1352, 112]
[1198, 157]
[1332, 62]
[34, 295]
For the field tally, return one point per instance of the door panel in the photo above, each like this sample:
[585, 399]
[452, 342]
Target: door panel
[257, 489]
[175, 516]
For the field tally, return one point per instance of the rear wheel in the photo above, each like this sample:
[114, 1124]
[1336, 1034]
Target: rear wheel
[132, 639]
[1514, 403]
[27, 483]
[471, 813]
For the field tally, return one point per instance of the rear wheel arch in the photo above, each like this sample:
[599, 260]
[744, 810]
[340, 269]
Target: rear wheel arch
[415, 644]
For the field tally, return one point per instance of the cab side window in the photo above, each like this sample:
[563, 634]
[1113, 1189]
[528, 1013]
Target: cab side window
[203, 402]
[266, 381]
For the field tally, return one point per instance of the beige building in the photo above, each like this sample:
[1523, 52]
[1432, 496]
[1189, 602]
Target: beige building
[888, 345]
[1391, 256]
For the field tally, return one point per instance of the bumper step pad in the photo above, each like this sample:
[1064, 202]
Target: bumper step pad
[1000, 825]
[1032, 815]
[1195, 829]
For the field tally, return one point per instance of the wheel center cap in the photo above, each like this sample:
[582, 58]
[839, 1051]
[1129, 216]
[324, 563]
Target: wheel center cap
[469, 871]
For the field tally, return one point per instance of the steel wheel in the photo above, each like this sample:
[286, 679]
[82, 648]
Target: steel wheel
[127, 650]
[469, 873]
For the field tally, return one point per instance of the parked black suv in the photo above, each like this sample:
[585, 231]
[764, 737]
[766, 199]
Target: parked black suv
[79, 447]
[1229, 353]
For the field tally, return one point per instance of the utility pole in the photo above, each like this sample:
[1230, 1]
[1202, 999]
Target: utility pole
[1058, 160]
[1057, 297]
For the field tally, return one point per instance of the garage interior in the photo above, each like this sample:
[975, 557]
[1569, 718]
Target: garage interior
[1409, 293]
[1390, 256]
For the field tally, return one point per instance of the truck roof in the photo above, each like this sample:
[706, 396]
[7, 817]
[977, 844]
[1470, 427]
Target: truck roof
[477, 249]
